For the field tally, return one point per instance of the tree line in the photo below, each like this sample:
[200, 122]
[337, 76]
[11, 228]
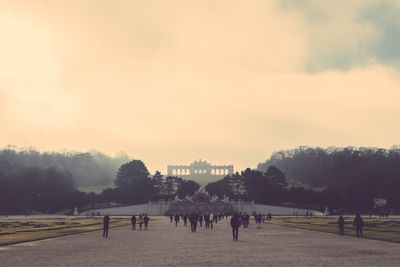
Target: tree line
[345, 179]
[350, 177]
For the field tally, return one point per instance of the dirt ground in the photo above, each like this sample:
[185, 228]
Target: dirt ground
[166, 245]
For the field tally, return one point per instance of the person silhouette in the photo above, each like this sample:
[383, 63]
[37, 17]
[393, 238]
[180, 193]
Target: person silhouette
[341, 225]
[235, 224]
[177, 218]
[106, 225]
[140, 221]
[146, 220]
[133, 222]
[359, 224]
[185, 218]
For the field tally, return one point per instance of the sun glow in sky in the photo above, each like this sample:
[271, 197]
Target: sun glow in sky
[169, 82]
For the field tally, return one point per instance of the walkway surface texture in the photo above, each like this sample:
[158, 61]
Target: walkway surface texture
[166, 245]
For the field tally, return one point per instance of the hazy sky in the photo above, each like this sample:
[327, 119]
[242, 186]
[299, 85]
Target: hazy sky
[174, 81]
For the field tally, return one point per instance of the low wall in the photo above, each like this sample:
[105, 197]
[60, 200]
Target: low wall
[151, 208]
[251, 206]
[161, 208]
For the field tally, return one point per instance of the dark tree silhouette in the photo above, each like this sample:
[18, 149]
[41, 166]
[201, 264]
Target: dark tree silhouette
[187, 188]
[133, 182]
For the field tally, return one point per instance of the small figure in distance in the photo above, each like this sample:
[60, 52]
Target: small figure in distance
[193, 218]
[140, 221]
[207, 220]
[177, 218]
[146, 220]
[171, 217]
[133, 221]
[201, 220]
[235, 224]
[359, 224]
[258, 220]
[106, 225]
[185, 218]
[211, 220]
[341, 225]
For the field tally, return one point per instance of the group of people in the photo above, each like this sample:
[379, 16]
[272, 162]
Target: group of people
[142, 219]
[197, 219]
[237, 220]
[358, 223]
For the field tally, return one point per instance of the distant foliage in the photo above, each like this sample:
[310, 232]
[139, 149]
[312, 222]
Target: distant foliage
[351, 177]
[34, 188]
[86, 169]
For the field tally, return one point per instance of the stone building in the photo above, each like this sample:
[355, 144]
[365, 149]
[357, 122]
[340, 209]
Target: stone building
[200, 171]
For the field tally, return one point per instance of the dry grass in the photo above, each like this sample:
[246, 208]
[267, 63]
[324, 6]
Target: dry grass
[375, 228]
[18, 230]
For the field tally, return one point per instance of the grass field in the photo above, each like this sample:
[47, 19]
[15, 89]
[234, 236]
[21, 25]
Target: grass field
[22, 229]
[375, 228]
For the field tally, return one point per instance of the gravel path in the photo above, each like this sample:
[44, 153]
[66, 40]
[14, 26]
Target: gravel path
[165, 245]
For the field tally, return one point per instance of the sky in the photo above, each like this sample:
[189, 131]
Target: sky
[226, 81]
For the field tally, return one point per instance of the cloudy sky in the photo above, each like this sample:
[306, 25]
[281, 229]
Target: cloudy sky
[222, 80]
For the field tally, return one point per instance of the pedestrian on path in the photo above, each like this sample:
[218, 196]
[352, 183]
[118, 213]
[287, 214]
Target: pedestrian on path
[341, 225]
[211, 220]
[140, 221]
[177, 218]
[133, 222]
[235, 224]
[258, 220]
[185, 218]
[359, 224]
[106, 225]
[193, 218]
[146, 220]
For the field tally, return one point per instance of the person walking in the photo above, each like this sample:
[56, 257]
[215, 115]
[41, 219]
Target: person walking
[341, 225]
[106, 225]
[259, 220]
[146, 220]
[176, 218]
[193, 221]
[235, 224]
[211, 220]
[359, 224]
[140, 221]
[133, 222]
[201, 220]
[185, 218]
[171, 217]
[207, 220]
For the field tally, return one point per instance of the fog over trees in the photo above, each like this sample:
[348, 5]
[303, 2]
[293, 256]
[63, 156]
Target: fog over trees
[86, 168]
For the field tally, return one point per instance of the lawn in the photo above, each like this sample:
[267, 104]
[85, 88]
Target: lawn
[23, 229]
[386, 229]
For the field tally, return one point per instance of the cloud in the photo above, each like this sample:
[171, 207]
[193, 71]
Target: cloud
[346, 34]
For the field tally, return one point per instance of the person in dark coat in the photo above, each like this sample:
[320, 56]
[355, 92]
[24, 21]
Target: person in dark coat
[171, 217]
[207, 220]
[133, 222]
[185, 218]
[177, 218]
[201, 220]
[341, 225]
[359, 224]
[193, 218]
[106, 225]
[235, 224]
[146, 220]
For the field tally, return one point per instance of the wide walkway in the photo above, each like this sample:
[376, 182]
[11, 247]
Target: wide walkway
[165, 245]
